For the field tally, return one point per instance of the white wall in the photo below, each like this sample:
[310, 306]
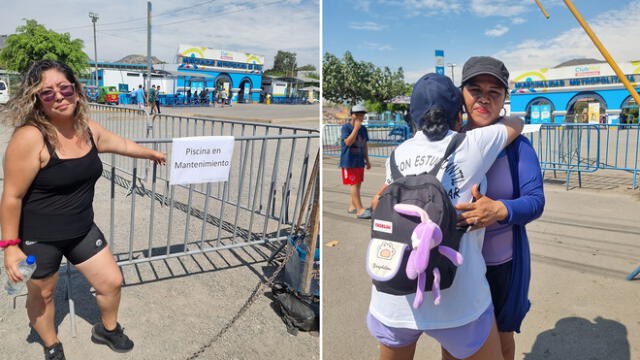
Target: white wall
[113, 77]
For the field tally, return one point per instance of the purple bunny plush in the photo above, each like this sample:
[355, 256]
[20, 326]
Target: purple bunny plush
[426, 236]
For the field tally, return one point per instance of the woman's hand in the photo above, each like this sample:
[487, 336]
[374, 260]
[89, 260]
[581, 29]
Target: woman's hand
[158, 157]
[482, 212]
[12, 256]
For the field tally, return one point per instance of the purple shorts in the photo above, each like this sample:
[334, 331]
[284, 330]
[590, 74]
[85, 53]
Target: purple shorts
[461, 342]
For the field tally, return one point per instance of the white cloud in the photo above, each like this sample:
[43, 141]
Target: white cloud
[518, 20]
[363, 5]
[613, 28]
[497, 31]
[254, 26]
[367, 25]
[376, 46]
[426, 7]
[507, 8]
[411, 76]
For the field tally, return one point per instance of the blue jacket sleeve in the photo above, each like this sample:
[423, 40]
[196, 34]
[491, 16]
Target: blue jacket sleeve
[530, 204]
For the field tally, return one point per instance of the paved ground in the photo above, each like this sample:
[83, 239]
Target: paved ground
[169, 308]
[583, 247]
[302, 115]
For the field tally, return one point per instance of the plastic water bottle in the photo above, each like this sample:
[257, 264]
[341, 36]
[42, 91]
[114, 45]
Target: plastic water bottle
[26, 267]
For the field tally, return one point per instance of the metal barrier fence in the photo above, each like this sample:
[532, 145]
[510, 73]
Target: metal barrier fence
[270, 170]
[572, 148]
[137, 124]
[579, 148]
[258, 203]
[289, 100]
[383, 138]
[272, 160]
[127, 122]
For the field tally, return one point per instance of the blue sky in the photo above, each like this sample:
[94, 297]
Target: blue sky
[406, 33]
[255, 26]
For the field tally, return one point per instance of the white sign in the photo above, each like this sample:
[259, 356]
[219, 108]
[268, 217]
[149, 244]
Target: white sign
[202, 159]
[531, 128]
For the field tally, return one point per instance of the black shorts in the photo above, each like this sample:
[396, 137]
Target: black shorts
[499, 278]
[49, 254]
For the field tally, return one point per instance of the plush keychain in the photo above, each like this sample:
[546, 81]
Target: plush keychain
[426, 236]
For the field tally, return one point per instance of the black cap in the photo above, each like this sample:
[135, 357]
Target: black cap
[431, 91]
[485, 65]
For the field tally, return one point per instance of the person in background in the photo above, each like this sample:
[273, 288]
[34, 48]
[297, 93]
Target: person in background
[354, 157]
[158, 98]
[140, 98]
[152, 99]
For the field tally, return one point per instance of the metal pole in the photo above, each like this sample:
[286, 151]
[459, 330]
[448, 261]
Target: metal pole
[544, 12]
[293, 77]
[94, 18]
[452, 66]
[148, 45]
[315, 227]
[603, 51]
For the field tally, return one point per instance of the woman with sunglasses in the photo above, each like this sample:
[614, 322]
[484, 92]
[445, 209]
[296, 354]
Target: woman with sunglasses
[51, 166]
[514, 197]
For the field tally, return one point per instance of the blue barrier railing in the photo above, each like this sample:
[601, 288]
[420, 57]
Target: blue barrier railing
[589, 147]
[621, 145]
[383, 138]
[572, 148]
[289, 100]
[172, 100]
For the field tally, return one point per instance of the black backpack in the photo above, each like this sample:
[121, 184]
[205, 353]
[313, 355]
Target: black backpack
[401, 214]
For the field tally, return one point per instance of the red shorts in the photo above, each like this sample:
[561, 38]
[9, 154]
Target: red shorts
[352, 176]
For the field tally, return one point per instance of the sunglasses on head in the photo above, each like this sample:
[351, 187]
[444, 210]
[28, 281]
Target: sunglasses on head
[49, 95]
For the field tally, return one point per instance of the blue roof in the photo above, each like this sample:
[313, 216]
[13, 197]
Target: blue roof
[101, 63]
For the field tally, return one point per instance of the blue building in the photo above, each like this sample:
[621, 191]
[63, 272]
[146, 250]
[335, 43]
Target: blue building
[239, 75]
[578, 91]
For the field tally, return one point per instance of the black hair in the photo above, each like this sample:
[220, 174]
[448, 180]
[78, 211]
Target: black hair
[435, 124]
[411, 124]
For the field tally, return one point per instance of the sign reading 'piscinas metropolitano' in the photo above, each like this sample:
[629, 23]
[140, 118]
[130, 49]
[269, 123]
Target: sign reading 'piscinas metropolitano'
[201, 159]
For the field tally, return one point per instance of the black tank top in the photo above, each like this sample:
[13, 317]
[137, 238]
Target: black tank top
[59, 202]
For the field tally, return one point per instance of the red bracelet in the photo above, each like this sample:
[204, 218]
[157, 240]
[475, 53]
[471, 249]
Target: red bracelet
[4, 244]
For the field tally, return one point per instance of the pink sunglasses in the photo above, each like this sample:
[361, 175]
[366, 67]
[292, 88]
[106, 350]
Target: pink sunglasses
[49, 95]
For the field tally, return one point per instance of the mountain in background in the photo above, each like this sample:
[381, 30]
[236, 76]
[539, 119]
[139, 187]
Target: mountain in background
[578, 62]
[139, 59]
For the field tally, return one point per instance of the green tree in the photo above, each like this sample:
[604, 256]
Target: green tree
[33, 42]
[285, 63]
[351, 81]
[356, 77]
[308, 67]
[332, 84]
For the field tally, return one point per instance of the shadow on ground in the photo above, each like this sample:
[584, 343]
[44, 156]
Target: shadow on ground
[575, 338]
[83, 295]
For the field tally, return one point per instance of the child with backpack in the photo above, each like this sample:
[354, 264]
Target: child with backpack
[428, 274]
